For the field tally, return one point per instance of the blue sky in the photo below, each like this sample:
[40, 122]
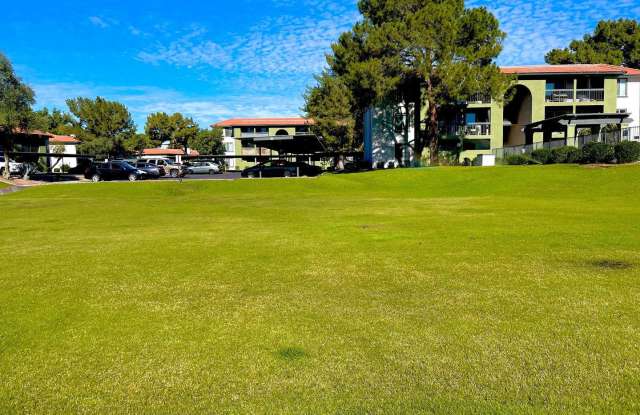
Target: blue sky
[219, 59]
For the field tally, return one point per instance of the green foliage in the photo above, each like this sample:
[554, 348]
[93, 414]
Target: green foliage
[16, 99]
[177, 129]
[627, 152]
[616, 42]
[596, 152]
[208, 142]
[519, 160]
[424, 52]
[329, 104]
[106, 126]
[137, 143]
[566, 154]
[543, 156]
[55, 121]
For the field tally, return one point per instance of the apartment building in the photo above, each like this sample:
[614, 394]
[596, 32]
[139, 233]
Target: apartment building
[247, 139]
[545, 103]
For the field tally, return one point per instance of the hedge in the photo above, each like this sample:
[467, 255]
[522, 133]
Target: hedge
[595, 152]
[627, 152]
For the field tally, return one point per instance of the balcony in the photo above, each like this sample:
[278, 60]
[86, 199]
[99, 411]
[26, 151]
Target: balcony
[478, 129]
[254, 135]
[590, 95]
[578, 95]
[479, 98]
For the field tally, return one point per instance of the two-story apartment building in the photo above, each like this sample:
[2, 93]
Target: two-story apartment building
[545, 103]
[246, 139]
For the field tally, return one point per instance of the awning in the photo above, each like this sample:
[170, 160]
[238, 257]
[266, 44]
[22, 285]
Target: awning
[289, 144]
[561, 122]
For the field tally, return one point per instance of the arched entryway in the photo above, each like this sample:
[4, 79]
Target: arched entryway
[282, 132]
[518, 113]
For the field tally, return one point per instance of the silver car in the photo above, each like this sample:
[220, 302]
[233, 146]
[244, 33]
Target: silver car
[203, 167]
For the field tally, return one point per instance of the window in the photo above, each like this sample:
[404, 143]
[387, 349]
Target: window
[228, 147]
[622, 87]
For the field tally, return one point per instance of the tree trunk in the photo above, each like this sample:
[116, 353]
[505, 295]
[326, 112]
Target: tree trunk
[7, 148]
[418, 142]
[432, 134]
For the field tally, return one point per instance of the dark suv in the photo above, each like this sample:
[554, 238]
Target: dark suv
[114, 170]
[281, 168]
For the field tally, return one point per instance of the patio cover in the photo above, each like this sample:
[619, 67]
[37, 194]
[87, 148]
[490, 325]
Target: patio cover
[561, 122]
[290, 144]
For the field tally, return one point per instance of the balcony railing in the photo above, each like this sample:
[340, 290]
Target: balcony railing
[253, 135]
[479, 98]
[478, 129]
[578, 95]
[559, 95]
[589, 95]
[475, 129]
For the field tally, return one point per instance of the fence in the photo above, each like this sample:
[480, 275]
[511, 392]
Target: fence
[610, 137]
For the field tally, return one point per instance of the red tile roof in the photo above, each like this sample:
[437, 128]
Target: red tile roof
[569, 69]
[264, 122]
[167, 152]
[162, 152]
[63, 139]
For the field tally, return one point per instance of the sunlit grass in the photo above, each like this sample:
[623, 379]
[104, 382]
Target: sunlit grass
[511, 289]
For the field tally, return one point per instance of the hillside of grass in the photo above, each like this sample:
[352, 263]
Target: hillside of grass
[501, 290]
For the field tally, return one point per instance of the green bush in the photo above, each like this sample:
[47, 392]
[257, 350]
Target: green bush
[595, 152]
[519, 160]
[566, 154]
[542, 156]
[627, 152]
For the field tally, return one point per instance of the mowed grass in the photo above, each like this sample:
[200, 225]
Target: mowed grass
[510, 289]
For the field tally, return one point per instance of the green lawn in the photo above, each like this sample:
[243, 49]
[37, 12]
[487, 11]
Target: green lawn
[510, 289]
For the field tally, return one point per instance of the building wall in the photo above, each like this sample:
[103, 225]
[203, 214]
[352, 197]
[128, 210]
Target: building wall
[60, 161]
[632, 101]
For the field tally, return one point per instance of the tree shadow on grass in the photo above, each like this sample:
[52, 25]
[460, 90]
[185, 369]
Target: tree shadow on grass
[291, 353]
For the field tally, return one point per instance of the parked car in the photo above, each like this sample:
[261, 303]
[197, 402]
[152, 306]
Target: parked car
[115, 170]
[151, 169]
[203, 167]
[167, 165]
[281, 168]
[14, 167]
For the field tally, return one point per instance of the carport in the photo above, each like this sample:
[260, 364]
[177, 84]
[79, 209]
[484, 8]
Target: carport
[290, 145]
[563, 123]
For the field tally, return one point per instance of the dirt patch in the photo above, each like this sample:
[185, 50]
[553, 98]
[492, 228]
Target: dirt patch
[612, 264]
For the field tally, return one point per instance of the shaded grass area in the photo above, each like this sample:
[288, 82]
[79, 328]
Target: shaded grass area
[510, 289]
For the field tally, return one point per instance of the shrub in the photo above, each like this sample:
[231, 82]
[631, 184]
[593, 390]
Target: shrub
[542, 156]
[627, 152]
[566, 154]
[65, 168]
[595, 152]
[519, 160]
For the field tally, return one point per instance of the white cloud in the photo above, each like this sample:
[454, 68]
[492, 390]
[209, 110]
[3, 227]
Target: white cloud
[535, 27]
[143, 100]
[278, 45]
[99, 22]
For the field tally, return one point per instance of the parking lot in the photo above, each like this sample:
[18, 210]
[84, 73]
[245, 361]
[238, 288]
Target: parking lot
[223, 176]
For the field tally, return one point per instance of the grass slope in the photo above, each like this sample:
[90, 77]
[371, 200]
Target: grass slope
[511, 289]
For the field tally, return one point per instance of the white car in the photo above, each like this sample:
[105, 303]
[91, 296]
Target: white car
[203, 167]
[14, 167]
